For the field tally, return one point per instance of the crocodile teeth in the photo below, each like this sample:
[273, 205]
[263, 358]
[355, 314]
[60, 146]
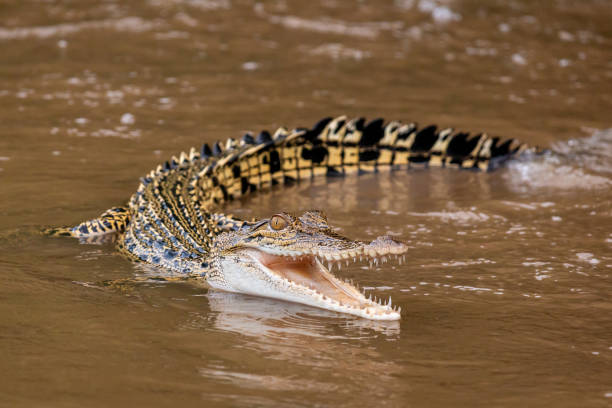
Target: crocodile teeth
[361, 303]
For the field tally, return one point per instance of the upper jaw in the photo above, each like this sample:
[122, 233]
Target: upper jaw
[377, 250]
[299, 276]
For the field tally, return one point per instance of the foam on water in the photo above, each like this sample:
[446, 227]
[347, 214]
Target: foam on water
[584, 163]
[330, 26]
[460, 217]
[130, 24]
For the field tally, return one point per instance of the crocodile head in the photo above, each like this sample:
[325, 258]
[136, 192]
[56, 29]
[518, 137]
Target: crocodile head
[283, 257]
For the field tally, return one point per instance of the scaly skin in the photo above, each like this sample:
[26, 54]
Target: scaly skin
[170, 221]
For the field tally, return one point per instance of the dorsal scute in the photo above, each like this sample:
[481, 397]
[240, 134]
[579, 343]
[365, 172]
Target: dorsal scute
[231, 144]
[390, 134]
[183, 160]
[373, 133]
[263, 137]
[247, 139]
[217, 150]
[205, 151]
[444, 138]
[406, 135]
[193, 155]
[332, 129]
[280, 134]
[353, 131]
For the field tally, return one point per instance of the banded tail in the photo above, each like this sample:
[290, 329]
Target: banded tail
[113, 220]
[336, 147]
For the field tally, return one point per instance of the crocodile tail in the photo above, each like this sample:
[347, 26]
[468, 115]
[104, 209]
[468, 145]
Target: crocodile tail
[331, 147]
[357, 145]
[111, 221]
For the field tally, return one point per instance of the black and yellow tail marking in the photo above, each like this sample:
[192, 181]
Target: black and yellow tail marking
[111, 221]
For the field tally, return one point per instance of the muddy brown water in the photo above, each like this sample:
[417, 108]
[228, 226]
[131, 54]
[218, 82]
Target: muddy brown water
[505, 294]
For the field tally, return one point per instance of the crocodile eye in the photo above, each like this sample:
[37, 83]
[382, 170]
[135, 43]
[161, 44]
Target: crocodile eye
[277, 222]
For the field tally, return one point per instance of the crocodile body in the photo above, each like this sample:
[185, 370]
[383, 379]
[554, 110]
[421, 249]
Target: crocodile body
[171, 222]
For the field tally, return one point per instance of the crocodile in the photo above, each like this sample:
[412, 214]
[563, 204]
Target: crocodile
[172, 222]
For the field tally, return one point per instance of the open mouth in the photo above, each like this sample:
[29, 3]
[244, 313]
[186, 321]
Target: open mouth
[303, 278]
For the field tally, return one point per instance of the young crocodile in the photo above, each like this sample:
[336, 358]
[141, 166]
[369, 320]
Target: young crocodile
[170, 221]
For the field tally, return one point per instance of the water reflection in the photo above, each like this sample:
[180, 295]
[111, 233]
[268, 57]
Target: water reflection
[268, 318]
[321, 345]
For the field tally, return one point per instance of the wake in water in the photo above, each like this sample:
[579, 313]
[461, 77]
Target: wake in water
[584, 163]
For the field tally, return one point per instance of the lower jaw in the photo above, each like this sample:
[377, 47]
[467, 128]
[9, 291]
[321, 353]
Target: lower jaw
[370, 312]
[332, 294]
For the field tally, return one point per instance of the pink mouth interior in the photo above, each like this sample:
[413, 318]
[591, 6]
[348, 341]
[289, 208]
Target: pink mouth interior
[306, 271]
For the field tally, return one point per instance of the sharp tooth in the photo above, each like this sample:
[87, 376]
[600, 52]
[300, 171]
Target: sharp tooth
[389, 304]
[370, 264]
[347, 263]
[354, 259]
[399, 309]
[329, 266]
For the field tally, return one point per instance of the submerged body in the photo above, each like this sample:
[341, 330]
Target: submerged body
[170, 222]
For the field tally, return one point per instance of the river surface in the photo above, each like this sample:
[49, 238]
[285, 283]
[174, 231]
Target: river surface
[506, 293]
